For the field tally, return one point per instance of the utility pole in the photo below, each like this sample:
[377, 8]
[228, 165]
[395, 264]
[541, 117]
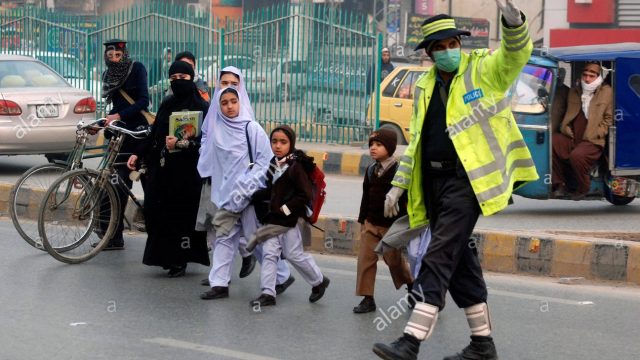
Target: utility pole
[380, 16]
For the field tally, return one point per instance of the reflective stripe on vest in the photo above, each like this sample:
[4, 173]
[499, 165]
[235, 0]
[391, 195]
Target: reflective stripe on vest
[482, 116]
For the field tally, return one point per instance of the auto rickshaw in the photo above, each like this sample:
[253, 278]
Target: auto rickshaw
[616, 177]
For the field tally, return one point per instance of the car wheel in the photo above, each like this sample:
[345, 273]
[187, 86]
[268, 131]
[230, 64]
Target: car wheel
[397, 130]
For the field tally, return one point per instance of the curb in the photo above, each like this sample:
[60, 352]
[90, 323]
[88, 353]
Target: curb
[341, 163]
[531, 253]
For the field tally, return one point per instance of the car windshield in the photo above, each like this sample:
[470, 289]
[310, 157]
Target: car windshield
[21, 73]
[69, 68]
[526, 94]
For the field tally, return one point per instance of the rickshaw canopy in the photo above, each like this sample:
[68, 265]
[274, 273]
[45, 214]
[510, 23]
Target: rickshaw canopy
[604, 52]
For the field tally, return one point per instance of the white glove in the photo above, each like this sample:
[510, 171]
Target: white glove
[510, 12]
[391, 207]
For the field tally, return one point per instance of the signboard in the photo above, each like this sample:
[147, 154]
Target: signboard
[479, 29]
[421, 7]
[393, 18]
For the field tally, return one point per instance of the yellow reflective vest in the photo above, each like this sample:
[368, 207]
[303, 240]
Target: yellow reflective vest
[481, 126]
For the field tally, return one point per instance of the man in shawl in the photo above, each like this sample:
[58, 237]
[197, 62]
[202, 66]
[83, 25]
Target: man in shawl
[583, 131]
[124, 76]
[173, 183]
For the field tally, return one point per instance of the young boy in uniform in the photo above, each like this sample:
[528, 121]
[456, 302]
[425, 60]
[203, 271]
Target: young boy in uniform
[377, 182]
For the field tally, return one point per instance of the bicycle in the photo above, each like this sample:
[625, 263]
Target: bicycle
[28, 191]
[80, 211]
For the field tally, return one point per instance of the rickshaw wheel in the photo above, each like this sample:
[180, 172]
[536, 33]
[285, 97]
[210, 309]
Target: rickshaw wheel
[615, 199]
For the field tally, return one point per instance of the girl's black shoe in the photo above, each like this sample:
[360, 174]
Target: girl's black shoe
[216, 292]
[263, 300]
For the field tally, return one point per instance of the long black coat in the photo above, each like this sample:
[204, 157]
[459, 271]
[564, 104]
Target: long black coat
[172, 196]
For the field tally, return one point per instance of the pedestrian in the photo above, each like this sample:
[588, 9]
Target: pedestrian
[235, 139]
[201, 84]
[583, 131]
[289, 193]
[559, 105]
[377, 182]
[167, 59]
[465, 157]
[125, 88]
[229, 77]
[173, 183]
[385, 69]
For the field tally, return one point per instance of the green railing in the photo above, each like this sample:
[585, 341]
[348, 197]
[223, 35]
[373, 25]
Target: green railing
[306, 65]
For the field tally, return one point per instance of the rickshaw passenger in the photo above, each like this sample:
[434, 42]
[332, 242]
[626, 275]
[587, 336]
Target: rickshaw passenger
[583, 131]
[559, 106]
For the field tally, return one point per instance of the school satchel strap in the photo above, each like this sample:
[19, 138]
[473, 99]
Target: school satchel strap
[150, 117]
[246, 134]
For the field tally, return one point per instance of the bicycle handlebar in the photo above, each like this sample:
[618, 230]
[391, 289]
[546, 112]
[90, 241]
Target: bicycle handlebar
[134, 134]
[99, 124]
[81, 125]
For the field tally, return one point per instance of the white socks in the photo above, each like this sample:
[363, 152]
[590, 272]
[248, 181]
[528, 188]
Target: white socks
[423, 320]
[479, 319]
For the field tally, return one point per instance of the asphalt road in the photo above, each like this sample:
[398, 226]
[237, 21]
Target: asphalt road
[113, 307]
[345, 192]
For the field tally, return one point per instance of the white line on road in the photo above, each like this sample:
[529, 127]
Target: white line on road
[206, 349]
[491, 291]
[539, 298]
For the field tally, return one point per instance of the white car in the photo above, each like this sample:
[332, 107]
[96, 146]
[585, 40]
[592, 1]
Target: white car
[208, 66]
[277, 79]
[39, 110]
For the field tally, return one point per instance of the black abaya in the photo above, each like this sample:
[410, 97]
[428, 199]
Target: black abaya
[172, 193]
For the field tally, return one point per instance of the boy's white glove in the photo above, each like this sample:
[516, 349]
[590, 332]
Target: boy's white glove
[510, 12]
[391, 207]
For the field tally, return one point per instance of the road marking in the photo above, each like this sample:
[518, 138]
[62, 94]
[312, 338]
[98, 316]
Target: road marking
[206, 349]
[539, 298]
[491, 291]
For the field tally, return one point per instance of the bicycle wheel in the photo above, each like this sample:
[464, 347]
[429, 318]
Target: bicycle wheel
[77, 217]
[26, 196]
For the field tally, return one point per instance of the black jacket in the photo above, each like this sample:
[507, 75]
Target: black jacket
[137, 88]
[293, 189]
[374, 193]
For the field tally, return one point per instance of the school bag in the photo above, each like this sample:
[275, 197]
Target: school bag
[319, 194]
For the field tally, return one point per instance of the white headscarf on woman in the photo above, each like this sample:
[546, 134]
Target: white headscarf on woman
[233, 178]
[205, 160]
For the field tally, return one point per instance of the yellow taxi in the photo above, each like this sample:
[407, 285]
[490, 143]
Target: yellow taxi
[396, 100]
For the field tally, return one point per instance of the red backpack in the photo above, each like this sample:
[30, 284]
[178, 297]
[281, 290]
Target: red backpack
[319, 194]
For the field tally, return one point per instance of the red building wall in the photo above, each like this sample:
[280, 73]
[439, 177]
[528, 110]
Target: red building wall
[573, 37]
[598, 12]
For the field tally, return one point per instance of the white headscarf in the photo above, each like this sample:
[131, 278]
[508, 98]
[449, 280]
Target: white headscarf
[233, 180]
[205, 160]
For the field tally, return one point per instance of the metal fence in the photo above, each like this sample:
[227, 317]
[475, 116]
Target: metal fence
[306, 65]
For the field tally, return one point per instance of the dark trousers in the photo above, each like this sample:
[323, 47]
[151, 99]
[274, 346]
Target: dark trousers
[580, 157]
[451, 262]
[123, 198]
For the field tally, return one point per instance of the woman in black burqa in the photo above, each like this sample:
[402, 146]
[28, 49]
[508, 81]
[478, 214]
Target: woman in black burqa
[173, 185]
